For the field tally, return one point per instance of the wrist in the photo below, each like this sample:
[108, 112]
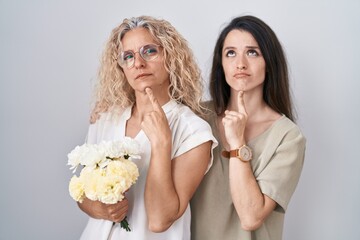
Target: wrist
[161, 145]
[244, 153]
[161, 151]
[236, 144]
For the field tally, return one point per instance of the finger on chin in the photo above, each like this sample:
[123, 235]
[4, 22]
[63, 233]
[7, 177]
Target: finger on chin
[153, 100]
[241, 103]
[150, 94]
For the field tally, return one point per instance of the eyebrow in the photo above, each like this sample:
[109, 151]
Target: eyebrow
[130, 50]
[232, 48]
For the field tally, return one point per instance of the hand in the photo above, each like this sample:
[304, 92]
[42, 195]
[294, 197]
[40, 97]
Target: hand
[155, 124]
[113, 212]
[234, 123]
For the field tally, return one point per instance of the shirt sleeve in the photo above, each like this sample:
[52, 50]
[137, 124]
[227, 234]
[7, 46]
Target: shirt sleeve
[191, 131]
[280, 176]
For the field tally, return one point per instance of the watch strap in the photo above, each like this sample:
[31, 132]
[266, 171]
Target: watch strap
[243, 153]
[231, 153]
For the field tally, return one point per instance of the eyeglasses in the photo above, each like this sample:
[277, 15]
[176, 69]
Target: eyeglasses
[147, 52]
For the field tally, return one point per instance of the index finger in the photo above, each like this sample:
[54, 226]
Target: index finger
[241, 103]
[153, 100]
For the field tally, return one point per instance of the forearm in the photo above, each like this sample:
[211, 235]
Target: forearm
[161, 199]
[250, 203]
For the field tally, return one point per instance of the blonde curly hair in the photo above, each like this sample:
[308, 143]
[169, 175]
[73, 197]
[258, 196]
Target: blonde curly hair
[113, 89]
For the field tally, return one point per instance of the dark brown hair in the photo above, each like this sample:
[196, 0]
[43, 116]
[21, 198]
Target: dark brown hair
[276, 85]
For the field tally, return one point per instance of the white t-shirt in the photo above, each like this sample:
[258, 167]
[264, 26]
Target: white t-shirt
[188, 131]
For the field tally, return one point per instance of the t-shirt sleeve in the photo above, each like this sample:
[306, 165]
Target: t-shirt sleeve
[279, 178]
[191, 132]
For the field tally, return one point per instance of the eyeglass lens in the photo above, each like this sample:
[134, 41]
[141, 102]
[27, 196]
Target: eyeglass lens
[148, 52]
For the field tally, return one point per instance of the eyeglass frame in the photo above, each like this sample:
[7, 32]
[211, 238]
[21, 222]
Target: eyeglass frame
[140, 51]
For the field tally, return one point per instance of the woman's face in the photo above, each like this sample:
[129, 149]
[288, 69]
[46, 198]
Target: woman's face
[142, 73]
[242, 61]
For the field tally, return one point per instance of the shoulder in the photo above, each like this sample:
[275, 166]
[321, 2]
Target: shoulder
[184, 116]
[289, 128]
[185, 124]
[284, 134]
[105, 126]
[188, 129]
[113, 114]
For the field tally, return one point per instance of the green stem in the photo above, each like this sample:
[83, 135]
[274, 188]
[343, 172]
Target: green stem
[124, 224]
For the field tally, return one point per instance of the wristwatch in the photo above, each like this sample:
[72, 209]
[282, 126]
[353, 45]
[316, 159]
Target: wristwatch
[243, 153]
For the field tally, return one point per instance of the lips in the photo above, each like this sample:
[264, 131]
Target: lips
[142, 75]
[241, 75]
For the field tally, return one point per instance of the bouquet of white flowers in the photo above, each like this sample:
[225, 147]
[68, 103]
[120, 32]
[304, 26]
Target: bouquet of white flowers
[107, 171]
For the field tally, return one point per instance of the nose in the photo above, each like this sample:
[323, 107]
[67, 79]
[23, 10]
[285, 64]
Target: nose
[139, 62]
[241, 63]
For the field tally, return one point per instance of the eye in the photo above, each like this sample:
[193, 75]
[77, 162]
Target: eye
[150, 50]
[252, 53]
[230, 53]
[127, 56]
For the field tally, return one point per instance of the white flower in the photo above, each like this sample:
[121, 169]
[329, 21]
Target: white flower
[131, 148]
[113, 149]
[109, 191]
[74, 157]
[76, 189]
[91, 178]
[108, 171]
[92, 156]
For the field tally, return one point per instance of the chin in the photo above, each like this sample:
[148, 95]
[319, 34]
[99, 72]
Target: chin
[142, 87]
[238, 89]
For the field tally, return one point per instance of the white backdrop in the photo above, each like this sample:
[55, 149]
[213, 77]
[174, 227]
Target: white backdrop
[49, 55]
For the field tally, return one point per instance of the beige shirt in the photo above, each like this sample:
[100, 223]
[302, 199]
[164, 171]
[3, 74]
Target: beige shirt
[278, 156]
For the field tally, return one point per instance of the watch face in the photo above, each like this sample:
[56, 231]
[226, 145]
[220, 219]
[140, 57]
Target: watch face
[245, 153]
